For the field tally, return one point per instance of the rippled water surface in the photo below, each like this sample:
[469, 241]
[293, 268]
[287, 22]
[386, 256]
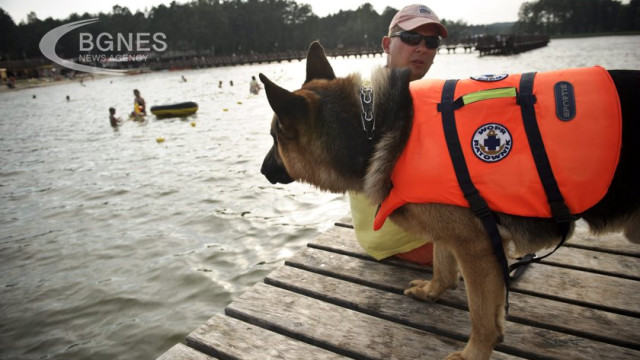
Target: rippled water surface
[115, 246]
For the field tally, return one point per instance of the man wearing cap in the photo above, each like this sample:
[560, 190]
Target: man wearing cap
[409, 22]
[412, 42]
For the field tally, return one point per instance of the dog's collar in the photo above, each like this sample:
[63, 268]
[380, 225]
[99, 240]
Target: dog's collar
[366, 100]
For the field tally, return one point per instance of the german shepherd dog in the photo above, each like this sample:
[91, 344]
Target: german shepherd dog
[319, 139]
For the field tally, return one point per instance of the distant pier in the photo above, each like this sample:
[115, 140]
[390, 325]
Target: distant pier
[195, 61]
[173, 60]
[486, 45]
[467, 47]
[510, 44]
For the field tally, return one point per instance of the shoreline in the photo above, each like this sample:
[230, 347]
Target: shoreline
[599, 34]
[22, 85]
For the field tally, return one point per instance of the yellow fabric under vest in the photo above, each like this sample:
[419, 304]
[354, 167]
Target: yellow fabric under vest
[577, 111]
[387, 241]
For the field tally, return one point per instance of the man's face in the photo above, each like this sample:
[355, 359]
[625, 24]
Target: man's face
[417, 58]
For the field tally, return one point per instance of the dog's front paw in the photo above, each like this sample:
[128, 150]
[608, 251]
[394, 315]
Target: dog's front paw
[419, 283]
[455, 356]
[424, 290]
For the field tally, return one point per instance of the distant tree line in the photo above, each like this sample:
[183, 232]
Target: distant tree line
[211, 27]
[563, 17]
[225, 27]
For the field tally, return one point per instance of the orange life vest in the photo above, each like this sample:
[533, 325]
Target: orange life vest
[578, 114]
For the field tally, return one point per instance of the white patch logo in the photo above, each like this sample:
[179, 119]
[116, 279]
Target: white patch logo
[103, 42]
[490, 77]
[491, 142]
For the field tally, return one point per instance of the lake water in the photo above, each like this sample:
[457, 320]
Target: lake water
[115, 246]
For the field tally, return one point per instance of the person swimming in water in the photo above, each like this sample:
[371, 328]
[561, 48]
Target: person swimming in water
[139, 106]
[254, 86]
[115, 122]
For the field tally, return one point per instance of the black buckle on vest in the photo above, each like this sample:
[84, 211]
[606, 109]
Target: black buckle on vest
[521, 266]
[450, 106]
[561, 212]
[479, 206]
[526, 99]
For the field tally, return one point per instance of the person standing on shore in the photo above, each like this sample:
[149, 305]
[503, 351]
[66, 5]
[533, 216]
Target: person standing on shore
[412, 42]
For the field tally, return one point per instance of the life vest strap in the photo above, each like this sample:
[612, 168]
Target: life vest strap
[559, 209]
[527, 100]
[477, 204]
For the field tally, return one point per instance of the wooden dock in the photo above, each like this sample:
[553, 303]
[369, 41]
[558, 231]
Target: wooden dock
[189, 61]
[452, 47]
[510, 44]
[332, 301]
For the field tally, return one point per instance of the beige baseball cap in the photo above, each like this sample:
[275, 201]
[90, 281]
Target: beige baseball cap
[413, 16]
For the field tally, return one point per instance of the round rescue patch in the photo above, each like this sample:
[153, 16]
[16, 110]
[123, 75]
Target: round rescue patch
[490, 77]
[491, 142]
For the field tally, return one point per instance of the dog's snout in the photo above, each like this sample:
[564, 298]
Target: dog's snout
[264, 171]
[277, 176]
[274, 171]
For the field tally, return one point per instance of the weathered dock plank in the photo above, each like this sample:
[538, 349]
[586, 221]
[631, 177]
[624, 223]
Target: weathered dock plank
[183, 352]
[588, 289]
[608, 243]
[544, 280]
[437, 318]
[229, 338]
[333, 301]
[574, 319]
[527, 307]
[342, 330]
[596, 262]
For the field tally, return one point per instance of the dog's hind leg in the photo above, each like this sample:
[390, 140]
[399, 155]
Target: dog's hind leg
[445, 276]
[485, 295]
[632, 230]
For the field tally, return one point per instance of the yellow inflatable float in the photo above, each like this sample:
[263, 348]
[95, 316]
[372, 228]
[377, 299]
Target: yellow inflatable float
[175, 110]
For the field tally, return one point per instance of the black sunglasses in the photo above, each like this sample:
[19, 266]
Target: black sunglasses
[414, 39]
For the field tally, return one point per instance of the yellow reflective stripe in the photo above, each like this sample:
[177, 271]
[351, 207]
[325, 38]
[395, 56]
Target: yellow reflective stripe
[489, 94]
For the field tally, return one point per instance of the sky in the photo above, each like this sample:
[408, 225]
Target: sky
[470, 11]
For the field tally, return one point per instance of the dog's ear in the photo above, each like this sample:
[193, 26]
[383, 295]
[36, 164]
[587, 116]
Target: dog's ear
[287, 105]
[318, 66]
